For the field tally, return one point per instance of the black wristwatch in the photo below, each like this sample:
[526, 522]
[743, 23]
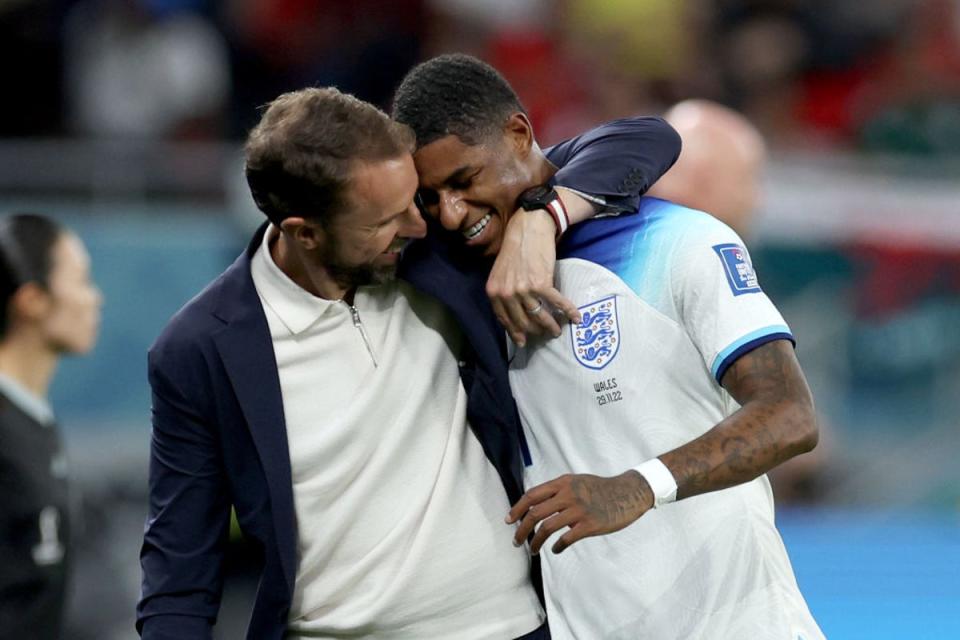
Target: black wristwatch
[545, 197]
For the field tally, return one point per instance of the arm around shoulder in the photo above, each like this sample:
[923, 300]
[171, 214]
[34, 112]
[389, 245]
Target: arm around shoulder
[617, 162]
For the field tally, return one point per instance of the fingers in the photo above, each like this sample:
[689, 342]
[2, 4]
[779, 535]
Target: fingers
[510, 313]
[520, 318]
[523, 314]
[543, 318]
[576, 532]
[557, 300]
[533, 496]
[500, 311]
[549, 527]
[536, 513]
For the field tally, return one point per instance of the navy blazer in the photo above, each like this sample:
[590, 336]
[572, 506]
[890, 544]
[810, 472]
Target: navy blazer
[219, 437]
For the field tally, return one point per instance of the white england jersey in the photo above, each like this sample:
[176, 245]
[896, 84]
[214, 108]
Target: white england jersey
[669, 301]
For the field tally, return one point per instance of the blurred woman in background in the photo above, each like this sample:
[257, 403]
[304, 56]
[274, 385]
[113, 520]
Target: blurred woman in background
[50, 308]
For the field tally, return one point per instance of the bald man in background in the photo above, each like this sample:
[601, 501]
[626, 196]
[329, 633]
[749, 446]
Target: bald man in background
[721, 165]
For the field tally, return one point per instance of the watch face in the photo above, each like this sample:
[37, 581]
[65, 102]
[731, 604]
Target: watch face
[536, 197]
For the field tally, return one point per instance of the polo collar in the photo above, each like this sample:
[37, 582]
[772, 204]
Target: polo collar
[297, 308]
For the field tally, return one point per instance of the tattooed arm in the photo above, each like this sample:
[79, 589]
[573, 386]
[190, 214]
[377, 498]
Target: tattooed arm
[776, 422]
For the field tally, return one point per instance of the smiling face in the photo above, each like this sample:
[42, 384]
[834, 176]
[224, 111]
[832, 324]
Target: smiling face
[472, 189]
[361, 244]
[366, 241]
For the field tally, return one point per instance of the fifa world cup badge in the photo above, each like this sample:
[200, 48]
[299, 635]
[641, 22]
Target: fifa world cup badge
[736, 265]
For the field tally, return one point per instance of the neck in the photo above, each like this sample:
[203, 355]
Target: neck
[314, 279]
[28, 361]
[542, 169]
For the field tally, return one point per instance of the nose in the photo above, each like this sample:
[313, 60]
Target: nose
[412, 224]
[452, 210]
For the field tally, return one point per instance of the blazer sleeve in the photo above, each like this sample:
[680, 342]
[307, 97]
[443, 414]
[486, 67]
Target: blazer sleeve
[188, 521]
[615, 163]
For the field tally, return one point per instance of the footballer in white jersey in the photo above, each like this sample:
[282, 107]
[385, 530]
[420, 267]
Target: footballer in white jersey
[669, 302]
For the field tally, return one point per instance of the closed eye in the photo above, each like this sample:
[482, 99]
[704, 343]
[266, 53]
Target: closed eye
[427, 201]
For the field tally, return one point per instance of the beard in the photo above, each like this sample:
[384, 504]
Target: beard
[350, 276]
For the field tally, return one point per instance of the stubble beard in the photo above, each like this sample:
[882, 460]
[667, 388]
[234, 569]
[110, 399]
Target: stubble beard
[351, 276]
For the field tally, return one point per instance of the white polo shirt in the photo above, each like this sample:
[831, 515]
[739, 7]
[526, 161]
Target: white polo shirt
[399, 512]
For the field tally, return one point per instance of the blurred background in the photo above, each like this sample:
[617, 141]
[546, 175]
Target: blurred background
[125, 119]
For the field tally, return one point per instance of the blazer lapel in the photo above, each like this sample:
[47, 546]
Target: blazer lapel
[247, 353]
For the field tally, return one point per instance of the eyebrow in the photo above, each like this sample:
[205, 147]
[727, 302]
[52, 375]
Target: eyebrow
[389, 216]
[458, 175]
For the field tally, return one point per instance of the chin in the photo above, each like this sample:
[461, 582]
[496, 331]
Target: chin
[76, 347]
[492, 249]
[383, 276]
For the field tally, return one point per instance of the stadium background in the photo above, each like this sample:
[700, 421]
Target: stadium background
[124, 119]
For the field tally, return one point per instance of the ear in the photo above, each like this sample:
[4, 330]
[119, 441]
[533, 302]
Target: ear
[519, 133]
[306, 233]
[30, 302]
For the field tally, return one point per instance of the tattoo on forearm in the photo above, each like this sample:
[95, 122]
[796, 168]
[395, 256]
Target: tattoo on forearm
[773, 425]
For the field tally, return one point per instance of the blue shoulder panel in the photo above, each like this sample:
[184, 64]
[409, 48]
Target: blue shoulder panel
[637, 246]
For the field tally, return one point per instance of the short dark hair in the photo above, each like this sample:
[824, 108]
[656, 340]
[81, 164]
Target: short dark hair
[300, 156]
[26, 248]
[455, 94]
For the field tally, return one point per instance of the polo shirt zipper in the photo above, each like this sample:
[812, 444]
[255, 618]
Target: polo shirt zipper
[363, 332]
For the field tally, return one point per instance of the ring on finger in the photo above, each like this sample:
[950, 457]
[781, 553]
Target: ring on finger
[537, 309]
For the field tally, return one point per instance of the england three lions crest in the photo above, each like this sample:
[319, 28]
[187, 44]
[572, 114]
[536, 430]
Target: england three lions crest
[596, 339]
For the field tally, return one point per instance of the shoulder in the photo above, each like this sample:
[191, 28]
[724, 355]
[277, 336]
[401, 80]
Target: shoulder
[656, 226]
[193, 325]
[627, 131]
[647, 248]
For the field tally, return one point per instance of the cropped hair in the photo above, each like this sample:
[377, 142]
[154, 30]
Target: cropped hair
[26, 248]
[455, 94]
[299, 158]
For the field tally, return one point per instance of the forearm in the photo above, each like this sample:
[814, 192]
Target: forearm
[776, 422]
[747, 444]
[578, 208]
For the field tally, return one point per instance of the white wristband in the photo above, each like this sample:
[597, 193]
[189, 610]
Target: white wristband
[661, 481]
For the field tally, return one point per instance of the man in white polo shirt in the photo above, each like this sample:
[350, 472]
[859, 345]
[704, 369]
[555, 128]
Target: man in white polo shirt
[355, 410]
[679, 384]
[328, 404]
